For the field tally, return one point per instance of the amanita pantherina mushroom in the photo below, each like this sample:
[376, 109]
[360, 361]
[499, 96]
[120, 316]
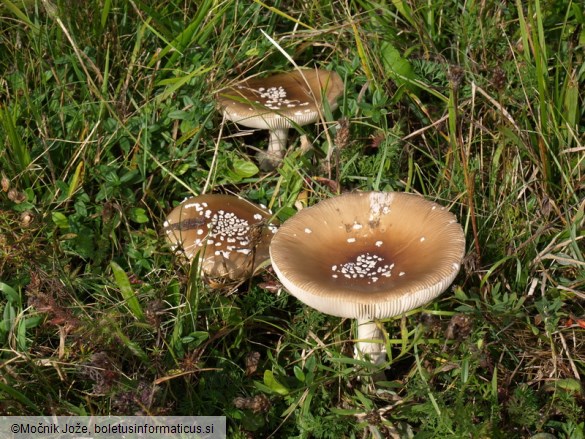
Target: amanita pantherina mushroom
[368, 256]
[230, 234]
[280, 102]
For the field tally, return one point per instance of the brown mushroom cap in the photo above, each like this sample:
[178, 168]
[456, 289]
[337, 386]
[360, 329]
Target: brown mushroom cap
[369, 255]
[228, 232]
[282, 100]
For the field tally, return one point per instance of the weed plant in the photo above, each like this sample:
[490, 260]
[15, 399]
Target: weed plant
[108, 121]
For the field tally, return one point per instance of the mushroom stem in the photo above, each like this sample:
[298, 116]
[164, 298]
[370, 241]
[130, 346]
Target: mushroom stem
[270, 159]
[374, 346]
[277, 144]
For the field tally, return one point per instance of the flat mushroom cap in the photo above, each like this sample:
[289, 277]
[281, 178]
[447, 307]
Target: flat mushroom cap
[231, 235]
[282, 100]
[370, 255]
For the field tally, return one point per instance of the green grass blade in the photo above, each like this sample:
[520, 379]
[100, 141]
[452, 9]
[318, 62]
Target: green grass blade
[21, 15]
[20, 397]
[107, 7]
[126, 290]
[16, 147]
[283, 15]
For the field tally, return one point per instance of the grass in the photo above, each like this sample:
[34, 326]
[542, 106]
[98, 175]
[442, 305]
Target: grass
[107, 121]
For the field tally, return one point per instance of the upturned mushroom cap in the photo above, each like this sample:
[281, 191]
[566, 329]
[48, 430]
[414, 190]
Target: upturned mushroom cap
[231, 235]
[282, 100]
[369, 255]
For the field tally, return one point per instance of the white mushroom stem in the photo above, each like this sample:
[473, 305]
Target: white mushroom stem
[370, 342]
[277, 144]
[270, 159]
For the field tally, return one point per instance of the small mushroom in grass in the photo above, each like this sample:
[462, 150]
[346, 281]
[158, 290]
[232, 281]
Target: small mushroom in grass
[368, 256]
[280, 102]
[230, 234]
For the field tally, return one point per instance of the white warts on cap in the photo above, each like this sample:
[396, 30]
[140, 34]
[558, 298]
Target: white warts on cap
[365, 266]
[224, 229]
[275, 98]
[378, 205]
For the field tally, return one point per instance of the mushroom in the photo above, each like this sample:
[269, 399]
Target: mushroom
[231, 235]
[368, 256]
[280, 102]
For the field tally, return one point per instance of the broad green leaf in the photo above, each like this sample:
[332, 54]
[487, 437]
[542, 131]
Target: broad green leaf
[11, 294]
[60, 220]
[396, 66]
[568, 384]
[138, 215]
[299, 374]
[245, 168]
[273, 384]
[196, 338]
[126, 290]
